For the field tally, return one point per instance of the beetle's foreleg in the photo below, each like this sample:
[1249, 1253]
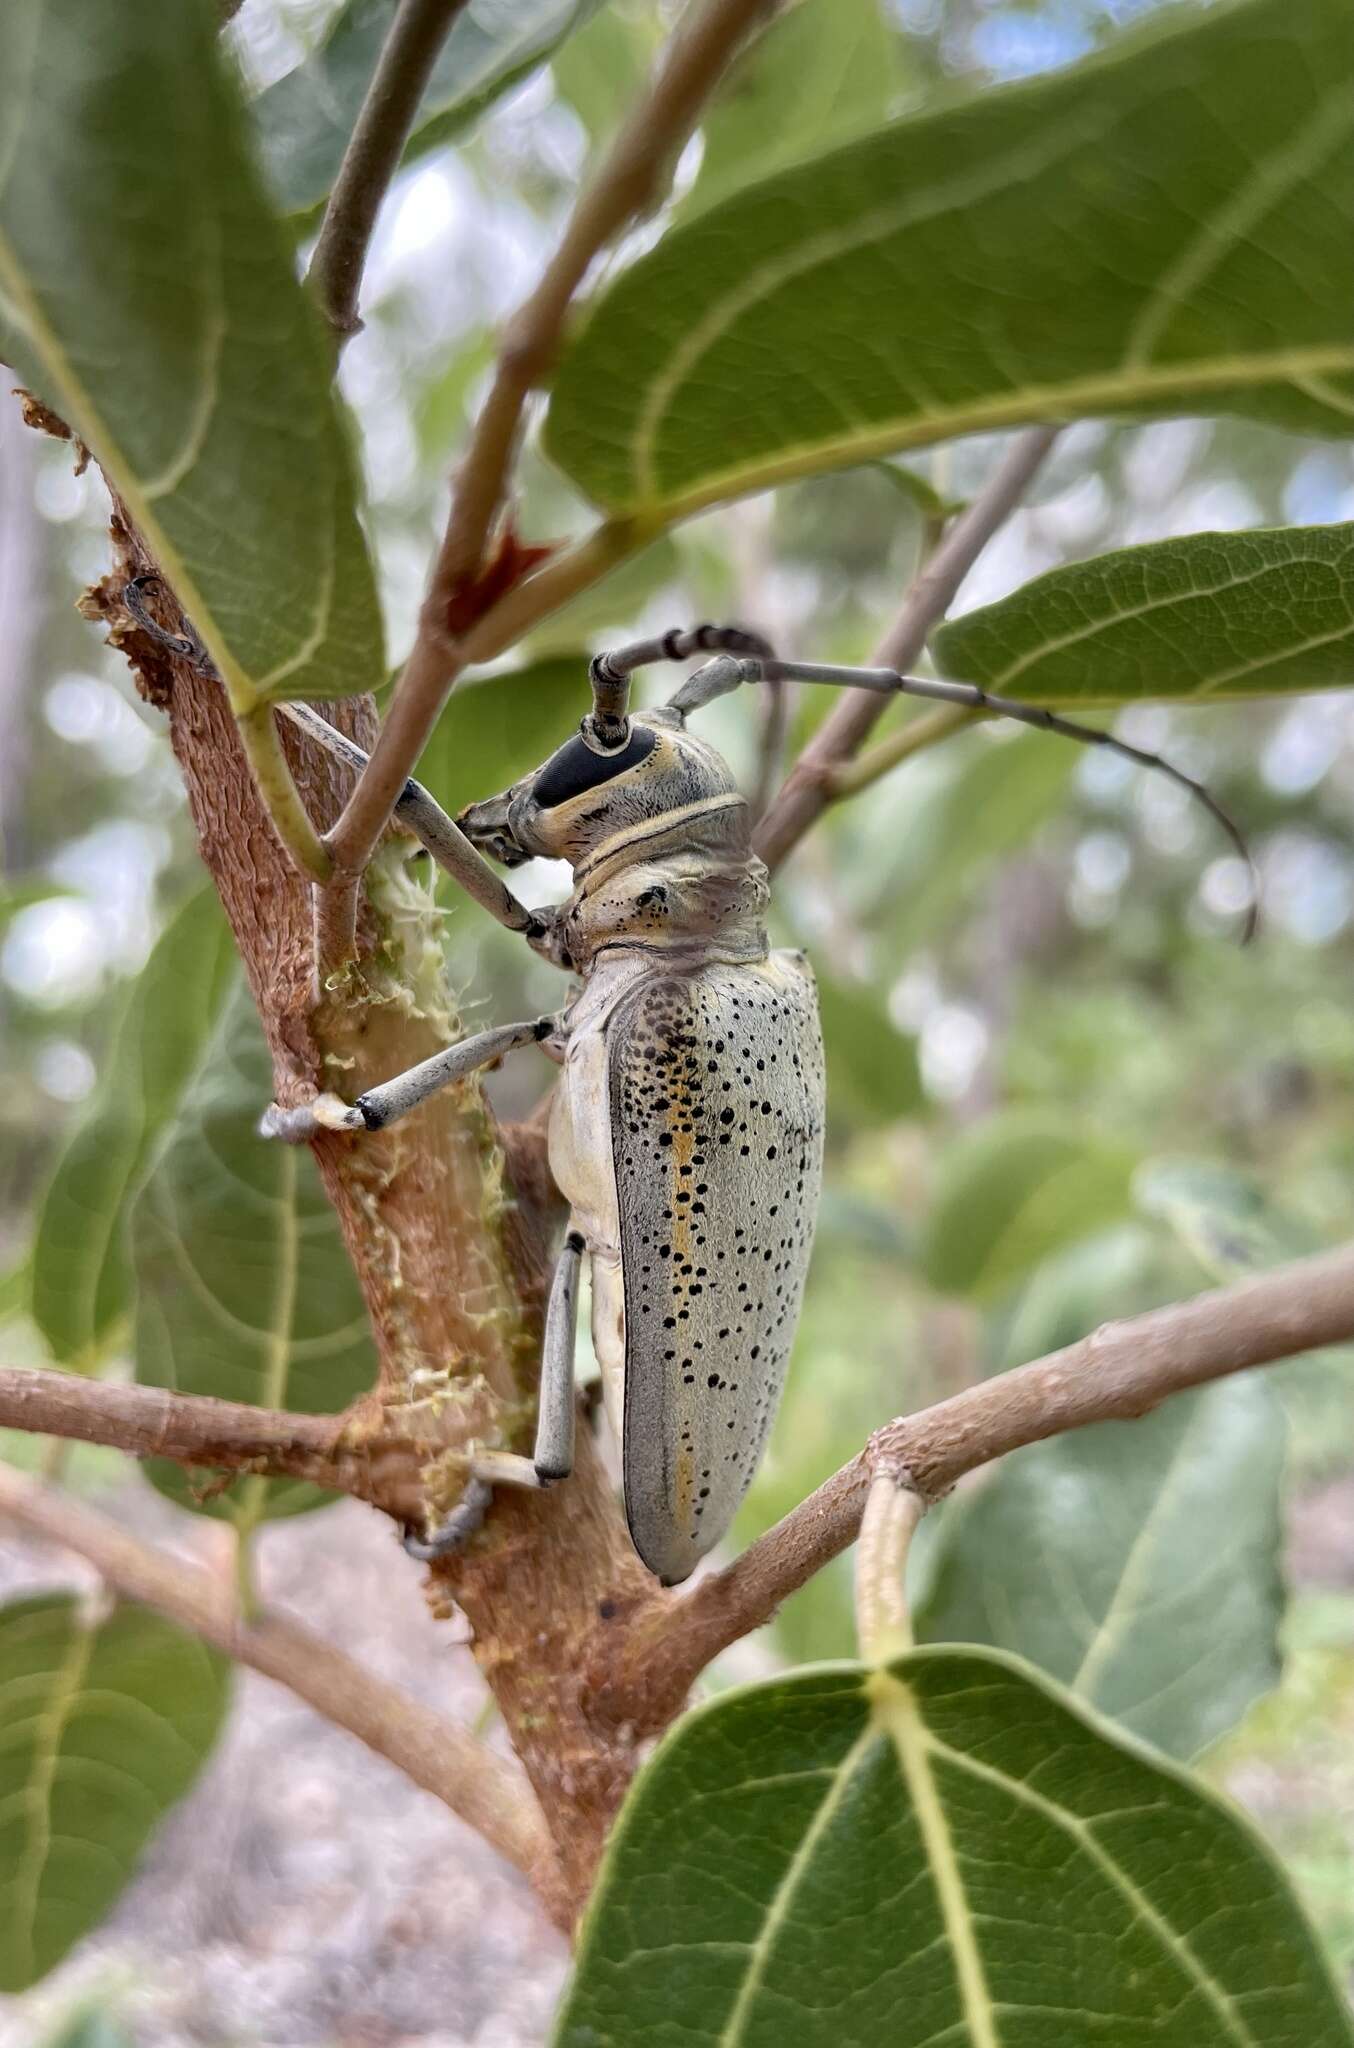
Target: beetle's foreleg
[553, 1458]
[394, 1099]
[420, 812]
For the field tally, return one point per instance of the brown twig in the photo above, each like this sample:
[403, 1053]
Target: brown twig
[445, 1760]
[229, 1436]
[1121, 1371]
[373, 156]
[630, 180]
[808, 787]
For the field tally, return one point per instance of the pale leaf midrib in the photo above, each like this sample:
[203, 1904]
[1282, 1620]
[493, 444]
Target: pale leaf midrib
[896, 1711]
[1121, 1610]
[75, 398]
[1080, 397]
[1170, 1942]
[778, 1907]
[1032, 153]
[1109, 620]
[1236, 220]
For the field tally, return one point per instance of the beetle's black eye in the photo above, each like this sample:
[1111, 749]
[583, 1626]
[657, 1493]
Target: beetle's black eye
[577, 767]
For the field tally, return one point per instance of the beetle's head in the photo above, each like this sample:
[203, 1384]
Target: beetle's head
[588, 792]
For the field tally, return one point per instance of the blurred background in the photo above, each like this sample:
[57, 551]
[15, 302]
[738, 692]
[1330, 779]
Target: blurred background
[1059, 1089]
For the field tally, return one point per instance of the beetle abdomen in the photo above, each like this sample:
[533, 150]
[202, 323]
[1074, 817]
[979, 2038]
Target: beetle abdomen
[716, 1098]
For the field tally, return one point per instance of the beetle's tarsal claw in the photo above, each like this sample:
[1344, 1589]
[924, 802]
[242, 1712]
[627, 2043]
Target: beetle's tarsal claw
[297, 1126]
[465, 1519]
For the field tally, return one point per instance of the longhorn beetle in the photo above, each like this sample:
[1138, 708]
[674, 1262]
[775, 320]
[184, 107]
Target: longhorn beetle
[686, 1133]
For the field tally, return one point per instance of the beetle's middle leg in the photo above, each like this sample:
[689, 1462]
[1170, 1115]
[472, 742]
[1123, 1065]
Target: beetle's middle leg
[553, 1456]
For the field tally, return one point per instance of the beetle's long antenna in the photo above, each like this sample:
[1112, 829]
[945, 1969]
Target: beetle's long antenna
[725, 674]
[610, 674]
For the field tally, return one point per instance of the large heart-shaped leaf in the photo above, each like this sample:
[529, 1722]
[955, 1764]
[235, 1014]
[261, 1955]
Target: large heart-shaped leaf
[949, 1852]
[148, 294]
[1163, 229]
[1208, 616]
[1014, 1190]
[244, 1289]
[81, 1272]
[1138, 1563]
[104, 1727]
[306, 118]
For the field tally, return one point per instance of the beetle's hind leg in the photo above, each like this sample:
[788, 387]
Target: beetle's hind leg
[553, 1457]
[394, 1099]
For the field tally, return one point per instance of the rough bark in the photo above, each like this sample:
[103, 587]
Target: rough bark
[452, 1262]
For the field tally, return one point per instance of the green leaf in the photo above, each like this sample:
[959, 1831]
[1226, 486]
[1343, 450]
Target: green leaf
[872, 1072]
[494, 731]
[947, 1852]
[1209, 616]
[600, 71]
[306, 118]
[16, 1289]
[244, 1289]
[819, 76]
[1225, 1220]
[150, 297]
[1011, 1192]
[1138, 1563]
[81, 1269]
[105, 1727]
[1233, 1227]
[1162, 229]
[984, 804]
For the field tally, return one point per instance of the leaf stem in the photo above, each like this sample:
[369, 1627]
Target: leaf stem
[913, 738]
[375, 147]
[892, 1512]
[808, 787]
[629, 182]
[433, 665]
[279, 794]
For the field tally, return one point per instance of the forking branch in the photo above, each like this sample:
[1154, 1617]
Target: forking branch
[1120, 1372]
[629, 181]
[808, 789]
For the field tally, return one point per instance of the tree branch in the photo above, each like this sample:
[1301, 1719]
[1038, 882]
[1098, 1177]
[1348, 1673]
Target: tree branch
[1121, 1371]
[629, 181]
[476, 1785]
[373, 156]
[196, 1429]
[809, 786]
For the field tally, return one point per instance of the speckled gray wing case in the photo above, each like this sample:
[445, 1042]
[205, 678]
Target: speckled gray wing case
[716, 1087]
